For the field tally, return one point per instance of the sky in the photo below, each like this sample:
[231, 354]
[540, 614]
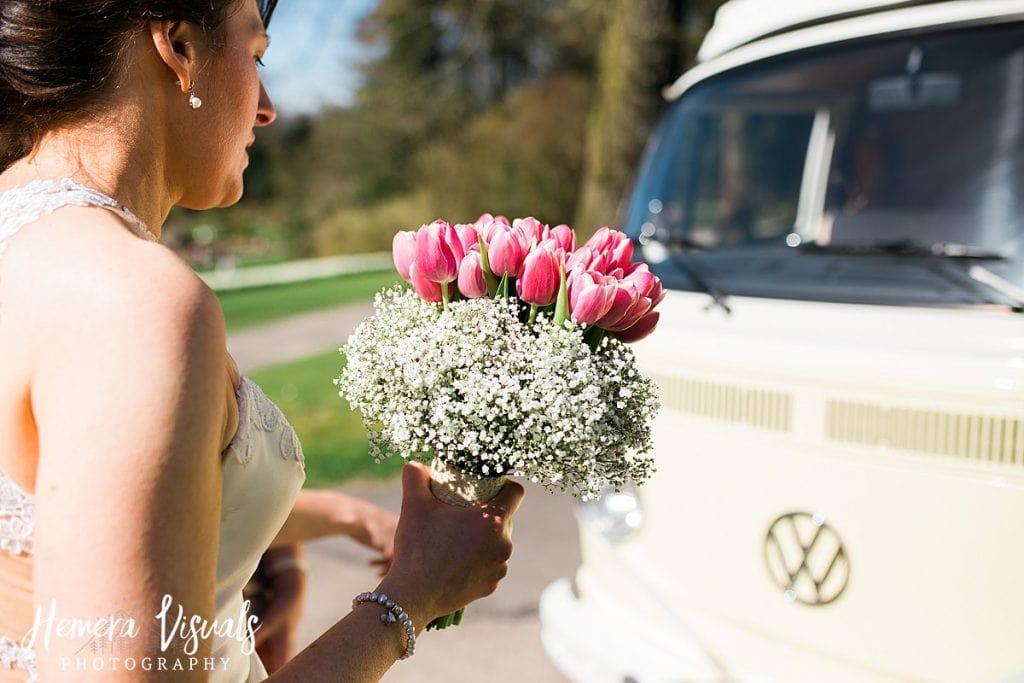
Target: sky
[314, 55]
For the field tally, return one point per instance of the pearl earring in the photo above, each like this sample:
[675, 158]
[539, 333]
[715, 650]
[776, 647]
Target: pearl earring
[193, 101]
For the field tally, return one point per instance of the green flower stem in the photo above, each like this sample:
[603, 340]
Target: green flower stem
[502, 291]
[562, 300]
[533, 315]
[453, 619]
[485, 263]
[445, 296]
[593, 336]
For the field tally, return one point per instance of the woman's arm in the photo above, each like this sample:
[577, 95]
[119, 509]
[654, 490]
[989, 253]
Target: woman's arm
[321, 513]
[445, 558]
[129, 398]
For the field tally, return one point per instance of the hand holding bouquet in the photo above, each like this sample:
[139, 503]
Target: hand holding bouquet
[509, 358]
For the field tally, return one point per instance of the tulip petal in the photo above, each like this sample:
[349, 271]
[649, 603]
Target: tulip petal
[438, 252]
[505, 253]
[641, 329]
[403, 252]
[428, 290]
[637, 310]
[623, 299]
[471, 277]
[538, 284]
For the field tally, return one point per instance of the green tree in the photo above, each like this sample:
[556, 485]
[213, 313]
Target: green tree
[646, 45]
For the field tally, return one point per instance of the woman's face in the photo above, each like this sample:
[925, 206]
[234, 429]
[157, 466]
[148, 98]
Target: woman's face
[234, 104]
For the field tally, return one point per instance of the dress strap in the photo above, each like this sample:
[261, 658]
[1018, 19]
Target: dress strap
[23, 205]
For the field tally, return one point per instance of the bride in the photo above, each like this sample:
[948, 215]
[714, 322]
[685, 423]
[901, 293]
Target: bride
[141, 479]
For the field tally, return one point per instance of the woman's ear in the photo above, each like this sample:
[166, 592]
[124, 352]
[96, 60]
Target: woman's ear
[175, 42]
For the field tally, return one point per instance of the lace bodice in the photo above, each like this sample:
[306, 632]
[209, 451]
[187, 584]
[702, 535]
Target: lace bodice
[263, 466]
[17, 515]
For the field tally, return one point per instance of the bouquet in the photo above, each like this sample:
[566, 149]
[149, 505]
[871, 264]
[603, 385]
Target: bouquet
[508, 357]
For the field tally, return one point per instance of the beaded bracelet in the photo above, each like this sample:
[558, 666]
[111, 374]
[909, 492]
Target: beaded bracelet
[393, 613]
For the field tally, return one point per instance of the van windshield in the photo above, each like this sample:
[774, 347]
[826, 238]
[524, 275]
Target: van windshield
[886, 171]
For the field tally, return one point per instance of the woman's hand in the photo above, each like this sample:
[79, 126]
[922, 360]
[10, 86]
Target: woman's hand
[373, 527]
[445, 557]
[448, 556]
[321, 513]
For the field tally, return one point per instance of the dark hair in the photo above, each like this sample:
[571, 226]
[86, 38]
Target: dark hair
[58, 57]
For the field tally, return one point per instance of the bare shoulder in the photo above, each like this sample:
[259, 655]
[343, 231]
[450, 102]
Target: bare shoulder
[128, 335]
[81, 271]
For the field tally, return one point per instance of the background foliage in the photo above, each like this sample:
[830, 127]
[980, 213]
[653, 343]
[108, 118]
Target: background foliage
[520, 107]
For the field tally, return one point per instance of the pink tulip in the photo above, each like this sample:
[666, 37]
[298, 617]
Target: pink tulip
[638, 309]
[487, 224]
[471, 276]
[540, 279]
[565, 237]
[621, 256]
[428, 290]
[467, 236]
[505, 252]
[600, 263]
[641, 277]
[611, 249]
[438, 252]
[601, 240]
[641, 329]
[580, 259]
[403, 251]
[647, 283]
[534, 232]
[636, 295]
[587, 258]
[590, 296]
[625, 298]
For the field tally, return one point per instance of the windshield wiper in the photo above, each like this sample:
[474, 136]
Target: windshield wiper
[1004, 287]
[909, 248]
[940, 252]
[717, 295]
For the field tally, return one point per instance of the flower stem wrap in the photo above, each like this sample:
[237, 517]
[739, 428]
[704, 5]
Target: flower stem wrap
[453, 486]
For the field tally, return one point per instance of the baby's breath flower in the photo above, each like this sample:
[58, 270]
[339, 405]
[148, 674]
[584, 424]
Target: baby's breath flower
[490, 394]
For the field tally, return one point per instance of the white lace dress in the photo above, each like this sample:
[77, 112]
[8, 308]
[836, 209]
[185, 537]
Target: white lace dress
[263, 467]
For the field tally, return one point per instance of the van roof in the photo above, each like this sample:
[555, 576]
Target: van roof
[747, 31]
[738, 22]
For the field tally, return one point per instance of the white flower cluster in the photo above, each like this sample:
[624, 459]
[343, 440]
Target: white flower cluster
[484, 391]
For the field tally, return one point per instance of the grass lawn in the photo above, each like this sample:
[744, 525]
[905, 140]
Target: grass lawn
[254, 306]
[332, 436]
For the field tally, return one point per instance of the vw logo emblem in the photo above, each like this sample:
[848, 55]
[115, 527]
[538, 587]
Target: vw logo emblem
[806, 558]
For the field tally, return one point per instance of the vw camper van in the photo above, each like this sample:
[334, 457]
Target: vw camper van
[835, 199]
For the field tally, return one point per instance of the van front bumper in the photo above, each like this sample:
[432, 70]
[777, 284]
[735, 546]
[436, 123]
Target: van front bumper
[593, 642]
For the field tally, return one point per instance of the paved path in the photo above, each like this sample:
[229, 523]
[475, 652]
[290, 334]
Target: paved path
[297, 337]
[301, 270]
[499, 641]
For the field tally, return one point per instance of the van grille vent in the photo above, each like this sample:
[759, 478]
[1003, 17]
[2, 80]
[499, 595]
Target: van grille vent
[770, 410]
[976, 437]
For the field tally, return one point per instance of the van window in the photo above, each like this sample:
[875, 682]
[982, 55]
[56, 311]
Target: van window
[888, 171]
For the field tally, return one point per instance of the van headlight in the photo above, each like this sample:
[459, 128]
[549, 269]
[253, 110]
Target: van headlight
[614, 514]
